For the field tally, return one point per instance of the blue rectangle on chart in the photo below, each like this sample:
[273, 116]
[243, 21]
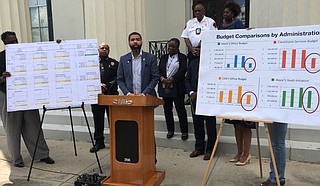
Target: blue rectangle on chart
[235, 61]
[242, 61]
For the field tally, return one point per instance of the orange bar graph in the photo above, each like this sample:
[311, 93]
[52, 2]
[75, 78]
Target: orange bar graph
[293, 58]
[284, 58]
[221, 96]
[239, 94]
[313, 62]
[248, 99]
[303, 59]
[230, 96]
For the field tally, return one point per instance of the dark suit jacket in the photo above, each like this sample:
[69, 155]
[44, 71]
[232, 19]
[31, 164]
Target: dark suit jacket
[179, 77]
[149, 74]
[192, 76]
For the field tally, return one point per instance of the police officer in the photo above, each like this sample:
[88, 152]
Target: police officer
[194, 29]
[192, 37]
[108, 72]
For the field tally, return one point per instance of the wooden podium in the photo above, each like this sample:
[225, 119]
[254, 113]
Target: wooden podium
[132, 146]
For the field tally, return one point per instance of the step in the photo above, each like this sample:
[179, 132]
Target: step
[302, 142]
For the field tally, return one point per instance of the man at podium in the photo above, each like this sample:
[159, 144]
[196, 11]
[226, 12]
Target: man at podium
[138, 73]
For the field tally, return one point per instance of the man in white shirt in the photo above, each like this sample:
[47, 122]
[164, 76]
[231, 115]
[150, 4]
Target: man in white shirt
[194, 29]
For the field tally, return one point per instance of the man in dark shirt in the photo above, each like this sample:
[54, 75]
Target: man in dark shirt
[108, 73]
[198, 120]
[25, 123]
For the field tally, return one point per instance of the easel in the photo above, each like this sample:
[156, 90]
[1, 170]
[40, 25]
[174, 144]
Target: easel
[266, 123]
[73, 138]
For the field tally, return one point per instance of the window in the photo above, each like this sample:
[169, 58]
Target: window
[40, 14]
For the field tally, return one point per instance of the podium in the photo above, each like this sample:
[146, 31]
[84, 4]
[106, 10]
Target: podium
[132, 146]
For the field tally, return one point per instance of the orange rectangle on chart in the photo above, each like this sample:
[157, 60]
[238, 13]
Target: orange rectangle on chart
[303, 59]
[230, 96]
[284, 58]
[313, 62]
[293, 58]
[248, 99]
[221, 96]
[239, 94]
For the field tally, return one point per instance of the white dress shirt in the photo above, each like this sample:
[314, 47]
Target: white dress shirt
[136, 73]
[194, 28]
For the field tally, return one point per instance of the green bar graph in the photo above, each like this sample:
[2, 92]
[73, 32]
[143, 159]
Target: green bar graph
[297, 97]
[300, 97]
[309, 99]
[284, 94]
[292, 98]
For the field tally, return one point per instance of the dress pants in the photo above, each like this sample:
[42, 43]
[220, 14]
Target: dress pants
[98, 112]
[198, 122]
[27, 124]
[181, 111]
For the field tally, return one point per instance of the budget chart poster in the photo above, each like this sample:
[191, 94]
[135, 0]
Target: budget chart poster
[52, 75]
[262, 74]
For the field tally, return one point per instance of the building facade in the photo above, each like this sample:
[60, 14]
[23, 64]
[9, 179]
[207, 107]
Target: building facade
[113, 20]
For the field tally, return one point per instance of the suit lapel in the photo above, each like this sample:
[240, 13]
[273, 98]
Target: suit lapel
[143, 64]
[165, 64]
[129, 64]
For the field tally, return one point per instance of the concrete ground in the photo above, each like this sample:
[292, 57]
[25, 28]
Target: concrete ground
[180, 170]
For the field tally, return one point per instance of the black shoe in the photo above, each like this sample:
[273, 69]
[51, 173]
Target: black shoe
[170, 134]
[97, 147]
[184, 136]
[20, 165]
[195, 154]
[47, 160]
[269, 183]
[207, 156]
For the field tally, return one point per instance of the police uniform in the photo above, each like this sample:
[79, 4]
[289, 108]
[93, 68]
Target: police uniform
[108, 72]
[194, 29]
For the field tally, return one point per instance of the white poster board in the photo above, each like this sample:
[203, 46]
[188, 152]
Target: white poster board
[52, 75]
[262, 74]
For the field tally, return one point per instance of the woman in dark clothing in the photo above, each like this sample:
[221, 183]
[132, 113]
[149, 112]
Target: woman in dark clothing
[243, 132]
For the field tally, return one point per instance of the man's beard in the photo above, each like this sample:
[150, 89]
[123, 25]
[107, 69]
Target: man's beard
[135, 48]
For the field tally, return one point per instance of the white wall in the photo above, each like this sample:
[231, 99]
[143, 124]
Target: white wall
[111, 21]
[14, 16]
[281, 13]
[165, 19]
[68, 19]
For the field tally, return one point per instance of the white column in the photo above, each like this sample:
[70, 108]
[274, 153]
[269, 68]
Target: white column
[14, 16]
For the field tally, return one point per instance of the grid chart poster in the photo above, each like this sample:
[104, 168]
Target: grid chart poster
[262, 74]
[52, 75]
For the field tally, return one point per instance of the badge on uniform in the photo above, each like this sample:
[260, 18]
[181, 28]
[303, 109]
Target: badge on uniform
[198, 31]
